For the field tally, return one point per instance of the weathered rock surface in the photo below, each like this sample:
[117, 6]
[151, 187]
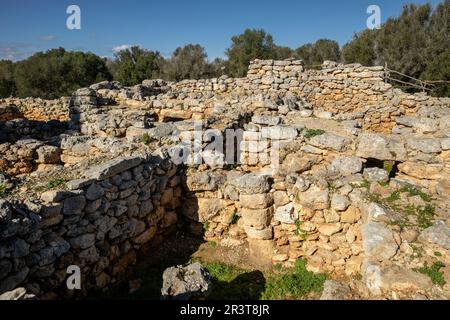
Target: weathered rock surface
[186, 283]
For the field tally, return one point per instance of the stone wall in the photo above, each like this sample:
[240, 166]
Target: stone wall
[39, 109]
[97, 223]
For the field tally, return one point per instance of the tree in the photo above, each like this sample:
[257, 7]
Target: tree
[57, 73]
[320, 51]
[282, 53]
[361, 49]
[439, 69]
[402, 42]
[7, 85]
[252, 44]
[217, 68]
[188, 62]
[132, 66]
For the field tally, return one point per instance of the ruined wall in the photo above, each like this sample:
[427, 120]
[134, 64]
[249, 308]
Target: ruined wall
[97, 223]
[39, 109]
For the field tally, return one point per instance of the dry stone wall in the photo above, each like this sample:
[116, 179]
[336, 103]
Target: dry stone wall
[316, 146]
[97, 223]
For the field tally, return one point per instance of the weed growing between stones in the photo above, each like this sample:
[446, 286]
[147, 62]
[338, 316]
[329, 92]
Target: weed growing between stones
[57, 183]
[145, 139]
[412, 215]
[412, 191]
[433, 272]
[299, 231]
[310, 133]
[3, 191]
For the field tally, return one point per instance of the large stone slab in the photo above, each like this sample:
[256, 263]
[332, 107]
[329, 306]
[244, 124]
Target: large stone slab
[113, 167]
[378, 241]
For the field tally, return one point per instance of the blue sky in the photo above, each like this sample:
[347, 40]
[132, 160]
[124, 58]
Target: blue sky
[27, 26]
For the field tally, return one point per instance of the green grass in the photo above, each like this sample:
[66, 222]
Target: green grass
[437, 254]
[57, 183]
[296, 284]
[231, 283]
[433, 272]
[310, 133]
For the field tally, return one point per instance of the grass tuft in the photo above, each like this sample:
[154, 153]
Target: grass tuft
[310, 133]
[57, 183]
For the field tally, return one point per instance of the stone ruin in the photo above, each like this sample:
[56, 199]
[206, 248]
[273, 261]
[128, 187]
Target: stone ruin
[334, 166]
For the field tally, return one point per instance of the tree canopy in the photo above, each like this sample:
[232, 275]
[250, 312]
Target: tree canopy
[57, 73]
[252, 44]
[415, 43]
[132, 66]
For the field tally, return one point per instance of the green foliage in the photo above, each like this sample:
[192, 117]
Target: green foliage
[294, 285]
[206, 225]
[233, 283]
[282, 53]
[212, 244]
[388, 166]
[299, 231]
[361, 49]
[235, 218]
[439, 69]
[437, 254]
[277, 267]
[413, 216]
[433, 272]
[57, 73]
[188, 62]
[384, 184]
[363, 184]
[57, 183]
[358, 276]
[415, 44]
[133, 65]
[318, 52]
[412, 191]
[252, 44]
[310, 133]
[145, 139]
[394, 196]
[425, 216]
[3, 191]
[7, 85]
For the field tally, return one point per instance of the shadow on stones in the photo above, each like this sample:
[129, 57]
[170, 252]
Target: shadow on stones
[246, 286]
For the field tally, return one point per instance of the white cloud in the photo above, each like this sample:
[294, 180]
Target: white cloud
[122, 47]
[15, 51]
[49, 38]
